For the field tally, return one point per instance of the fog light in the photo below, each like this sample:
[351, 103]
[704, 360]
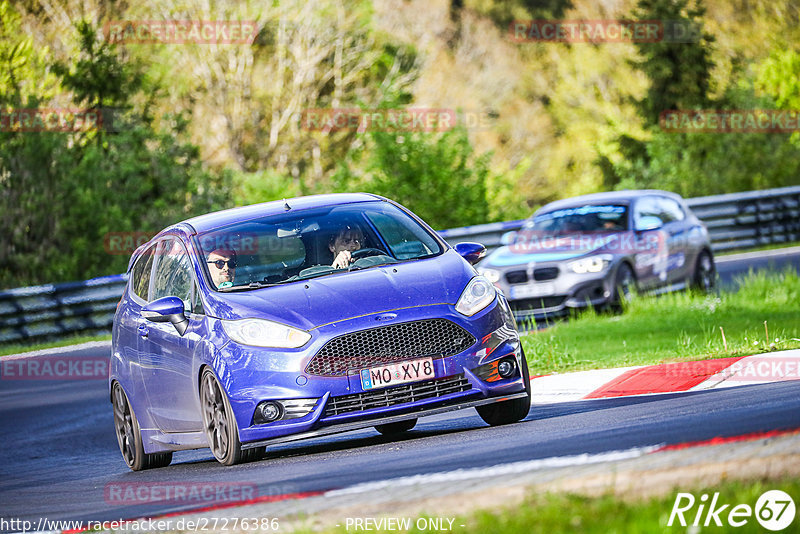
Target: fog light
[506, 367]
[266, 412]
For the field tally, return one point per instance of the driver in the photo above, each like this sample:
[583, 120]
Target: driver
[343, 243]
[222, 267]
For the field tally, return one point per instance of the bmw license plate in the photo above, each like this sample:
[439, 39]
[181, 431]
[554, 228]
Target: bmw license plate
[397, 373]
[542, 289]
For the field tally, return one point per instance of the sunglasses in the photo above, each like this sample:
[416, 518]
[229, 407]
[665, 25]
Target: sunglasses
[221, 263]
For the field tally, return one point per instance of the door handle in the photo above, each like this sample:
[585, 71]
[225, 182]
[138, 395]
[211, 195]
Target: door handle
[143, 330]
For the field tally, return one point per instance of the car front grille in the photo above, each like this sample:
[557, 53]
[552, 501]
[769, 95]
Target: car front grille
[435, 338]
[540, 274]
[517, 277]
[393, 396]
[545, 273]
[536, 303]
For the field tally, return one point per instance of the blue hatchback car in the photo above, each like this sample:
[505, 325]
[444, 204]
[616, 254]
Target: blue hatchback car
[298, 318]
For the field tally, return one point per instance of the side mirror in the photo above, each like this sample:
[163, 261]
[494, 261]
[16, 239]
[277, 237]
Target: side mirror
[472, 252]
[167, 310]
[649, 222]
[508, 238]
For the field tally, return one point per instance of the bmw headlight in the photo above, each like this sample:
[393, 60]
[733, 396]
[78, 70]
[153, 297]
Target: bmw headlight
[591, 264]
[492, 275]
[478, 294]
[263, 333]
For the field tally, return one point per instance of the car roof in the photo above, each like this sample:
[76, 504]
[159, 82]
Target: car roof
[610, 196]
[210, 221]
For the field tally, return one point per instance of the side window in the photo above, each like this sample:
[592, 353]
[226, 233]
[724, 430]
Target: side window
[672, 209]
[647, 207]
[173, 273]
[140, 275]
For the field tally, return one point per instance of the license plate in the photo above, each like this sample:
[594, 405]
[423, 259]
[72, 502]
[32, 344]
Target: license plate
[397, 373]
[542, 289]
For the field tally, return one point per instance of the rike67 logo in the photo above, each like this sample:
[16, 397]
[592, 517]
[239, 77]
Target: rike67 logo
[774, 510]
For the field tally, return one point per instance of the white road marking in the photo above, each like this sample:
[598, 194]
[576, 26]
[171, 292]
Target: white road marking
[513, 468]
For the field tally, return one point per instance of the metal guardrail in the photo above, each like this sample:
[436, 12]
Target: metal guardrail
[735, 221]
[57, 310]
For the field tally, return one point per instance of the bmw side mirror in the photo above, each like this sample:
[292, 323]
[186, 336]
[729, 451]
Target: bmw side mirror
[472, 252]
[167, 310]
[649, 222]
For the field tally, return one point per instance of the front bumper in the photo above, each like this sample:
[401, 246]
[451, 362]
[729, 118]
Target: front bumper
[252, 375]
[558, 296]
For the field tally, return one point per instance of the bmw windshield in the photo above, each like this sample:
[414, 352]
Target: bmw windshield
[580, 219]
[310, 243]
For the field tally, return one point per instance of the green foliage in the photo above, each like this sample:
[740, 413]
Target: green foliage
[696, 164]
[779, 77]
[98, 77]
[263, 186]
[679, 72]
[434, 175]
[60, 196]
[22, 66]
[504, 12]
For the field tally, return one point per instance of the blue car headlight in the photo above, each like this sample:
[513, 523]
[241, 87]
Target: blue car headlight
[591, 264]
[263, 333]
[478, 294]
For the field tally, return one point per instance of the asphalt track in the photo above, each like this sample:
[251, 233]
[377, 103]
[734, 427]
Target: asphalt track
[59, 453]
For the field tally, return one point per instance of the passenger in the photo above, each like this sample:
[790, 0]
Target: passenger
[222, 266]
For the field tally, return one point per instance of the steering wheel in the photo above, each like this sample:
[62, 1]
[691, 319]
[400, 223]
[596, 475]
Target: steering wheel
[365, 253]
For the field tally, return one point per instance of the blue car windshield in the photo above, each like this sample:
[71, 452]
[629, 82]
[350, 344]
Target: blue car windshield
[592, 218]
[289, 247]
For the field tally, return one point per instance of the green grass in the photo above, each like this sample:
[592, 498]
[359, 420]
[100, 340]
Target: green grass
[5, 350]
[551, 513]
[675, 327]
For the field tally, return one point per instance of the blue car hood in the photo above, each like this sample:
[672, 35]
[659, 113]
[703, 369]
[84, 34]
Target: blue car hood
[318, 301]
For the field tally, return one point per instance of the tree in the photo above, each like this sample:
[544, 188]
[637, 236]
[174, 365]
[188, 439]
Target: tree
[434, 175]
[61, 193]
[679, 72]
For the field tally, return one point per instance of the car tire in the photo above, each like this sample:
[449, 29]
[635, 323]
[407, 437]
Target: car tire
[705, 273]
[219, 423]
[624, 286]
[129, 437]
[396, 428]
[511, 411]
